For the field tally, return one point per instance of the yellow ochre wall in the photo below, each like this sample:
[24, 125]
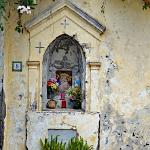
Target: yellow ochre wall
[122, 50]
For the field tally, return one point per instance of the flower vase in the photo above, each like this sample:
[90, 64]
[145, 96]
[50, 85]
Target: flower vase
[51, 104]
[75, 104]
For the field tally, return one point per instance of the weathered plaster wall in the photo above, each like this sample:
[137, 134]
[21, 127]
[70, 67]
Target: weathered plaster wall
[125, 55]
[124, 76]
[15, 84]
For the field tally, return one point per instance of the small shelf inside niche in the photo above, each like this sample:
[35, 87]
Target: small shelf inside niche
[62, 110]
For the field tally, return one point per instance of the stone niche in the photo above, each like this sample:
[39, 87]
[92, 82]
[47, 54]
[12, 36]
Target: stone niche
[69, 52]
[64, 62]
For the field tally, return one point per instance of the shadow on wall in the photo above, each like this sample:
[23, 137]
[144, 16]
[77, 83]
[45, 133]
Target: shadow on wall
[2, 115]
[126, 134]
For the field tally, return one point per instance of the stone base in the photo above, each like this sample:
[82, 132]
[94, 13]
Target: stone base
[85, 123]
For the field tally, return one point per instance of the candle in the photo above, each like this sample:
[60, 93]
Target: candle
[63, 103]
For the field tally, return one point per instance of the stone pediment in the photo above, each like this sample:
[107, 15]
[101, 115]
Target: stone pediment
[60, 5]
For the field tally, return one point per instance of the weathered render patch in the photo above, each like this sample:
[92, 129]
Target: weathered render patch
[109, 66]
[38, 125]
[126, 133]
[110, 73]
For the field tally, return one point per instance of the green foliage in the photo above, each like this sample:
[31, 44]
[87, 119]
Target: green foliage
[53, 144]
[74, 144]
[2, 13]
[45, 145]
[76, 96]
[26, 3]
[2, 7]
[19, 27]
[146, 4]
[78, 144]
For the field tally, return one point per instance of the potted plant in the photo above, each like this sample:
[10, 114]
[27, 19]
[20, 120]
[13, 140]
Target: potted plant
[52, 144]
[75, 143]
[75, 97]
[52, 90]
[78, 143]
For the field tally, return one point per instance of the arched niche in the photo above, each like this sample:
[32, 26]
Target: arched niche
[70, 19]
[64, 61]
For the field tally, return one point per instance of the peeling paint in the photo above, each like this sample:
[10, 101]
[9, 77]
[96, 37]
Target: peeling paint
[128, 133]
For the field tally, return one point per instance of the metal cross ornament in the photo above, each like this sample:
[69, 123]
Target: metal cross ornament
[40, 47]
[65, 24]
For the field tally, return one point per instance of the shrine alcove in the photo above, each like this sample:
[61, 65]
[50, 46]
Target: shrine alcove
[63, 73]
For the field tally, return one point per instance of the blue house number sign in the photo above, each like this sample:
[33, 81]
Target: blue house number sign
[17, 66]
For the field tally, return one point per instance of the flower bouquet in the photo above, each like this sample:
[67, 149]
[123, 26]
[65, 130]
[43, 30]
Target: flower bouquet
[52, 90]
[52, 87]
[75, 96]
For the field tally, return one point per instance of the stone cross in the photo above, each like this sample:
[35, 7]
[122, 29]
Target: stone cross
[39, 47]
[65, 23]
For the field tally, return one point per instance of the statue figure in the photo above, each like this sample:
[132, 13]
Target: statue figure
[77, 82]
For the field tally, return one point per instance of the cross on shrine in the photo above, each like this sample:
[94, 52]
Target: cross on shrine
[65, 23]
[40, 47]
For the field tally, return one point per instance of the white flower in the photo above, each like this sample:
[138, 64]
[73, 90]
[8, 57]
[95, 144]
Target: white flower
[23, 9]
[23, 6]
[28, 7]
[19, 7]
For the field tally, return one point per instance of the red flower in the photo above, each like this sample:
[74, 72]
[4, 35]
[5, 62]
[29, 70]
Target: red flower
[49, 83]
